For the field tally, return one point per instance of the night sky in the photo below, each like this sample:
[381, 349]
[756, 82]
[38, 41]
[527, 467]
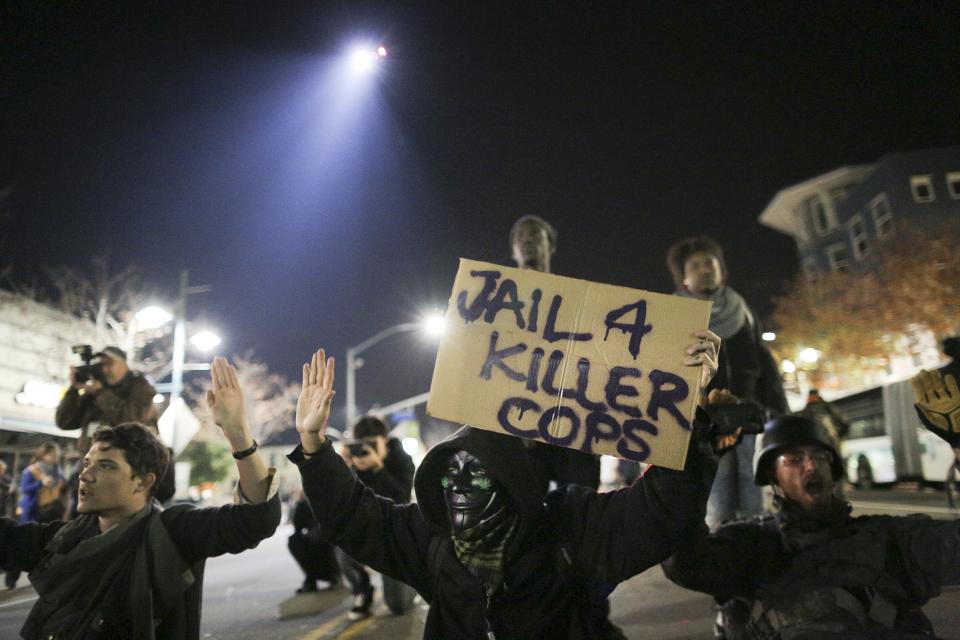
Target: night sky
[223, 137]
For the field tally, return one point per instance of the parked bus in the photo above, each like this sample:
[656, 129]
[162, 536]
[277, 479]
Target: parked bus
[887, 443]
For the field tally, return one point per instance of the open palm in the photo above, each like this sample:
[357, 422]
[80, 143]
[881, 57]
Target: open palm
[313, 405]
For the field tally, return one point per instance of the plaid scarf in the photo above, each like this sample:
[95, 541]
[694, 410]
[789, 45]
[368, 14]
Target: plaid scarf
[484, 557]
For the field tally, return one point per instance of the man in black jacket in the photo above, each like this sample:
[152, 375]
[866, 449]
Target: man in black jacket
[492, 556]
[383, 465]
[127, 568]
[533, 242]
[812, 571]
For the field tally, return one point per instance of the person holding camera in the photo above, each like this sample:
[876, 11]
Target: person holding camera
[107, 392]
[382, 465]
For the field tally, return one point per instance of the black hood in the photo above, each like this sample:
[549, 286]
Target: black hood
[506, 459]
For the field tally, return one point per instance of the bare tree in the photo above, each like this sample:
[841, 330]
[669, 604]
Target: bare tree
[271, 399]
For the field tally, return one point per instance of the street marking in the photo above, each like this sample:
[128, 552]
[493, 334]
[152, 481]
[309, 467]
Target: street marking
[326, 627]
[340, 628]
[356, 628]
[16, 602]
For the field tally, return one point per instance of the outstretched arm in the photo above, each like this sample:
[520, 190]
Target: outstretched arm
[391, 538]
[622, 533]
[226, 403]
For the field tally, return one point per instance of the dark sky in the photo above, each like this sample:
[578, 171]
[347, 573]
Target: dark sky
[219, 137]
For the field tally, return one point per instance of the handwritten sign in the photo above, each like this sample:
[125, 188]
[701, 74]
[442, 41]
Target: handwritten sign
[572, 363]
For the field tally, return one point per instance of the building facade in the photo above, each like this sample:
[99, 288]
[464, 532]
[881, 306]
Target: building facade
[840, 220]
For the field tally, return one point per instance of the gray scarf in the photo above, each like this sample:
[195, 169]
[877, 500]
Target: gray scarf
[729, 312]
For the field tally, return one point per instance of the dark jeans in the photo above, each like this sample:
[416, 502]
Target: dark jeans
[398, 595]
[315, 557]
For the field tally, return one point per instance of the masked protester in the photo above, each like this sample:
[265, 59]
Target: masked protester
[812, 571]
[492, 556]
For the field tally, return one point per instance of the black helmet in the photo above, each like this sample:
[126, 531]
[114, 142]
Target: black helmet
[791, 431]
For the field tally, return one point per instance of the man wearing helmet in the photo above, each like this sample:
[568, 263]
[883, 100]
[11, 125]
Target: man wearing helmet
[812, 570]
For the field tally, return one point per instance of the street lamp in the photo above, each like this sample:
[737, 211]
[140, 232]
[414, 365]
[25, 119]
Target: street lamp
[432, 325]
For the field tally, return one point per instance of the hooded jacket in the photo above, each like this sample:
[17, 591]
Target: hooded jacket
[569, 551]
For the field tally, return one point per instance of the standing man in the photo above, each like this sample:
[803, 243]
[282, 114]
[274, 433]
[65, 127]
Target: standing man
[533, 241]
[381, 464]
[122, 395]
[127, 568]
[745, 368]
[118, 395]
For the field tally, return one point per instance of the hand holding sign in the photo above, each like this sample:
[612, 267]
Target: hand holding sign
[313, 405]
[704, 353]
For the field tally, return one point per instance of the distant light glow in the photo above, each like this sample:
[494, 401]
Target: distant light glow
[809, 355]
[159, 398]
[205, 340]
[362, 58]
[411, 446]
[382, 51]
[788, 366]
[434, 325]
[769, 336]
[153, 317]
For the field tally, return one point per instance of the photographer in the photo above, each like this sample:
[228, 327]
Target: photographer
[381, 464]
[108, 393]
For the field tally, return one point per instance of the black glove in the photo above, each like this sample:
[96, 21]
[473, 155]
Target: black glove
[938, 404]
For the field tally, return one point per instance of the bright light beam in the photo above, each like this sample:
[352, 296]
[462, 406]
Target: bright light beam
[205, 340]
[153, 317]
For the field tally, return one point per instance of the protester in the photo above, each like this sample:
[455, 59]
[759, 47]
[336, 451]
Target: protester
[382, 465]
[533, 241]
[746, 368]
[6, 487]
[127, 568]
[114, 396]
[951, 348]
[829, 417]
[485, 548]
[42, 487]
[812, 570]
[314, 554]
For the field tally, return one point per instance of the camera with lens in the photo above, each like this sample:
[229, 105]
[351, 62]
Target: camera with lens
[89, 370]
[358, 449]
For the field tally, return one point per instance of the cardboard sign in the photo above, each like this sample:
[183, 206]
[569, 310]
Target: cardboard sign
[589, 366]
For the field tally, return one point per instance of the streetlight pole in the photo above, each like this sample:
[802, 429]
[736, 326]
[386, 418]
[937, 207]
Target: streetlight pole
[353, 352]
[180, 334]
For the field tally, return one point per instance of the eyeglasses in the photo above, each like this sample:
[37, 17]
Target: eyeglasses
[799, 457]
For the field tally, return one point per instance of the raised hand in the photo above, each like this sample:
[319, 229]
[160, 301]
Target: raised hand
[938, 404]
[226, 402]
[313, 406]
[703, 353]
